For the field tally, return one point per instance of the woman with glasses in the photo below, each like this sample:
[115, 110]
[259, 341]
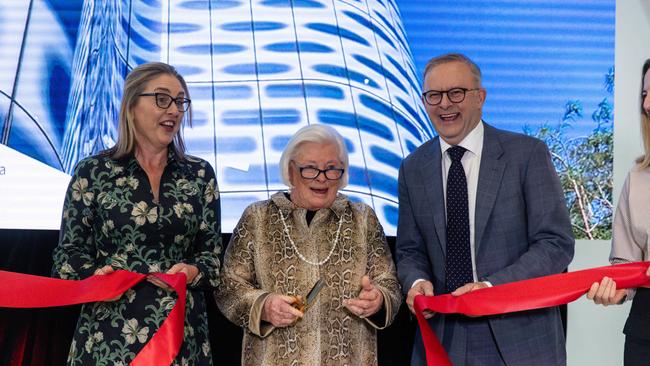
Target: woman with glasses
[311, 237]
[143, 206]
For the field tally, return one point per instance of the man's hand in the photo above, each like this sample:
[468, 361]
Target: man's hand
[369, 301]
[421, 288]
[469, 287]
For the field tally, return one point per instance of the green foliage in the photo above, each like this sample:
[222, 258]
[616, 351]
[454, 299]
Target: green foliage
[584, 165]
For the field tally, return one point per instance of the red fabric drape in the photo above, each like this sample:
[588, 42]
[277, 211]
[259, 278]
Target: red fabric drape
[519, 296]
[27, 291]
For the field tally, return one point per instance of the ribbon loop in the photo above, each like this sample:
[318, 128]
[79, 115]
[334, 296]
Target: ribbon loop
[529, 294]
[21, 290]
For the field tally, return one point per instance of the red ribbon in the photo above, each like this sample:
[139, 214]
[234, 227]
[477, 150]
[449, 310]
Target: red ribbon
[20, 290]
[530, 294]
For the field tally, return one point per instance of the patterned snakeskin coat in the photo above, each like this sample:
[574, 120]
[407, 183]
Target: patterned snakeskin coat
[260, 260]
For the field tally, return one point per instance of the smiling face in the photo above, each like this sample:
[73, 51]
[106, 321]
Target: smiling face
[155, 127]
[454, 121]
[314, 194]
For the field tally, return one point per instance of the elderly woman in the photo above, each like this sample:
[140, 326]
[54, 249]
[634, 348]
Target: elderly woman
[281, 247]
[630, 243]
[143, 206]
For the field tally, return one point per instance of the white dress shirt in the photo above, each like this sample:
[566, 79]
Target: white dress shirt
[471, 161]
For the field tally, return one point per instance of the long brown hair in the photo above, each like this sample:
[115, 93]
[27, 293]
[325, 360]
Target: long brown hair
[644, 160]
[135, 83]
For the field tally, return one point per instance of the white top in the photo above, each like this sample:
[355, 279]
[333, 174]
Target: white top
[630, 239]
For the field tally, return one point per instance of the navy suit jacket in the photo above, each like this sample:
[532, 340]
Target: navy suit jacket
[522, 231]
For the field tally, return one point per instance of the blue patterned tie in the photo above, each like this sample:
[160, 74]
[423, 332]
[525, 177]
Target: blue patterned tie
[458, 267]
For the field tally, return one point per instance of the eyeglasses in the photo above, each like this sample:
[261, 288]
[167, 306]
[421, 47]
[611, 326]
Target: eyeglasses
[310, 172]
[164, 100]
[455, 95]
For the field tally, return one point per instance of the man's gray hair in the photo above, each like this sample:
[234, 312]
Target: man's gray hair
[318, 133]
[453, 57]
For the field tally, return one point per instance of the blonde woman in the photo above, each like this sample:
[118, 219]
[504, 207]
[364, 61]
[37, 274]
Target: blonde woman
[630, 243]
[143, 206]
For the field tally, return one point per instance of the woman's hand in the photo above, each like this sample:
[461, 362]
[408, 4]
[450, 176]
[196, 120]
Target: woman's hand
[190, 274]
[369, 301]
[605, 292]
[278, 310]
[104, 271]
[190, 271]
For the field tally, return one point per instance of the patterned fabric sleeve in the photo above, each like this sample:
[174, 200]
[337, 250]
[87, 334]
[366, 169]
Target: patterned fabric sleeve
[74, 257]
[239, 289]
[381, 270]
[207, 244]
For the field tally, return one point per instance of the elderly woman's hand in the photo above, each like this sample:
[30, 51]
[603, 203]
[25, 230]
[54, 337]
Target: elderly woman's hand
[369, 301]
[278, 310]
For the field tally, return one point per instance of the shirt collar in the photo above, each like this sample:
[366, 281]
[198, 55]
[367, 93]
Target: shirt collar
[472, 142]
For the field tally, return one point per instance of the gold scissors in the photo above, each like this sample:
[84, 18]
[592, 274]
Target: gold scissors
[304, 305]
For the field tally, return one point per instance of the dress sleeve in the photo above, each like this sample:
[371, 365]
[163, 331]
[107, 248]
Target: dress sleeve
[381, 270]
[239, 296]
[74, 257]
[207, 244]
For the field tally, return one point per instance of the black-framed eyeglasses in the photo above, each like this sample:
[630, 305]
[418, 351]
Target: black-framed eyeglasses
[311, 172]
[164, 100]
[455, 95]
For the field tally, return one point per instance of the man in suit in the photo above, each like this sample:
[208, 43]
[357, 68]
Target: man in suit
[480, 207]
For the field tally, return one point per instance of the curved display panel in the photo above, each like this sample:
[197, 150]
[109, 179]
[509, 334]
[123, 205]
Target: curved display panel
[260, 70]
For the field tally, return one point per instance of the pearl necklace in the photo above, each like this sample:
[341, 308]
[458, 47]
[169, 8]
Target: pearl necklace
[302, 257]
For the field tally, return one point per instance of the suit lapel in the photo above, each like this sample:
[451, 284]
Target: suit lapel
[431, 172]
[489, 181]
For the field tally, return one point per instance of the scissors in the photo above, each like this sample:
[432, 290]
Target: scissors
[304, 305]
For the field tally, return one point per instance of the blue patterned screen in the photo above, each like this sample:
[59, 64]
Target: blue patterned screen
[257, 72]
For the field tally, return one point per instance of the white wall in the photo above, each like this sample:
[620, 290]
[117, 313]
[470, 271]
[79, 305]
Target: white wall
[594, 332]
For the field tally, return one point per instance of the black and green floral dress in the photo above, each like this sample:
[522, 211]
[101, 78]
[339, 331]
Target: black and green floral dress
[110, 218]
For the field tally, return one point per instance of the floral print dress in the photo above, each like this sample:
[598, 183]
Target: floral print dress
[111, 218]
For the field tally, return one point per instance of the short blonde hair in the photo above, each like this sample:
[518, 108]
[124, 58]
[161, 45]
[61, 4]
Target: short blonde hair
[318, 133]
[134, 85]
[644, 160]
